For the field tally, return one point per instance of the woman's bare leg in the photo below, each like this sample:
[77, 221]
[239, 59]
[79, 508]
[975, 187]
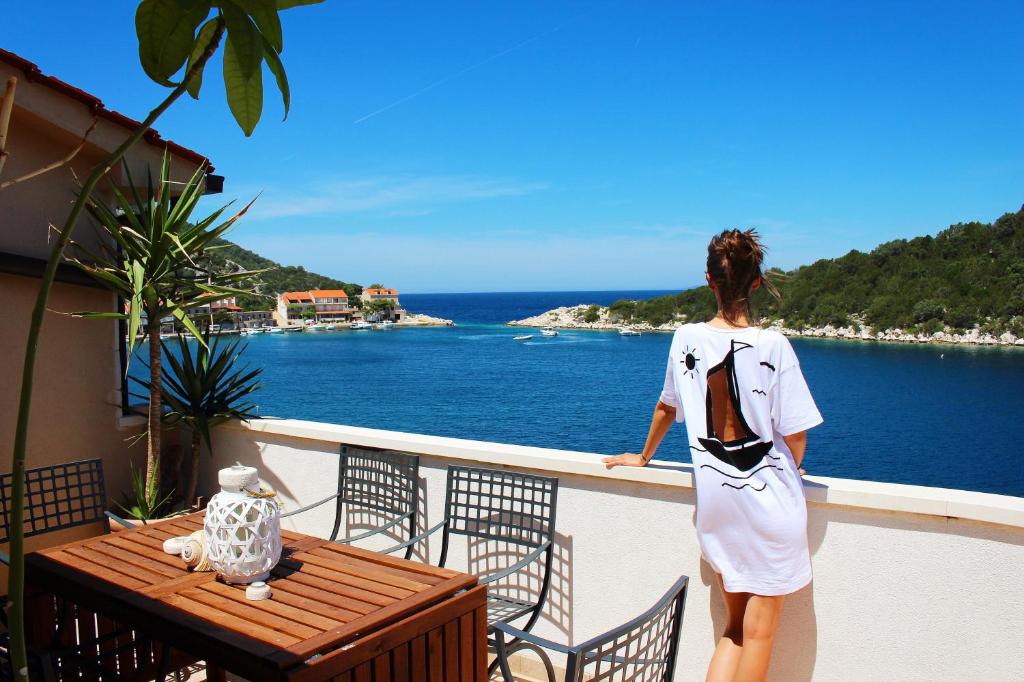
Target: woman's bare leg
[760, 620]
[730, 647]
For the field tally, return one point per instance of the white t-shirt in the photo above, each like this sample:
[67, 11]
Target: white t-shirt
[741, 391]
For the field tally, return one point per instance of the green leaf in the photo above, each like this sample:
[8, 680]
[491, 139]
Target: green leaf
[264, 13]
[202, 42]
[288, 4]
[166, 30]
[186, 322]
[245, 94]
[277, 68]
[243, 40]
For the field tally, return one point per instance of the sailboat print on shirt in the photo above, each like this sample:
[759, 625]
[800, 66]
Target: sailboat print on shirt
[730, 439]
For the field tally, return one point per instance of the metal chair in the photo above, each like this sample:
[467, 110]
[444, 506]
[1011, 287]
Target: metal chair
[59, 497]
[507, 507]
[381, 483]
[642, 650]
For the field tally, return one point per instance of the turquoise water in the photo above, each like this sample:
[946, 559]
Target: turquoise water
[928, 415]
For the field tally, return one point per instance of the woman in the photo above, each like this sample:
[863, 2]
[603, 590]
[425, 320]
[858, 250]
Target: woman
[748, 409]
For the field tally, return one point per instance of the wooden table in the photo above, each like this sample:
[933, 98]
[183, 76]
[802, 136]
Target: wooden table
[337, 612]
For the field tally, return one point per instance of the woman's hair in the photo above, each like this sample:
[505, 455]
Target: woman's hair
[734, 264]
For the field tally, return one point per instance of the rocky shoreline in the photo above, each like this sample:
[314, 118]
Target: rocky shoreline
[573, 317]
[415, 320]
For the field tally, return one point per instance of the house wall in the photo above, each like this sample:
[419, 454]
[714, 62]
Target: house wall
[75, 409]
[911, 583]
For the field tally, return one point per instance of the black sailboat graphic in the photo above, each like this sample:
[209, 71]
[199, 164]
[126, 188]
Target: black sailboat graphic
[730, 439]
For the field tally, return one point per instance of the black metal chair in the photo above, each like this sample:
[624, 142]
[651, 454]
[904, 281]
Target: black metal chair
[642, 650]
[508, 507]
[379, 484]
[59, 497]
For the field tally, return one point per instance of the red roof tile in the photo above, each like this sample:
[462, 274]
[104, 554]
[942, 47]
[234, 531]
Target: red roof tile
[95, 105]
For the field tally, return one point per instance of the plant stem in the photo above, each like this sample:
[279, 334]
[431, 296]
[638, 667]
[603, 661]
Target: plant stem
[193, 480]
[16, 575]
[155, 410]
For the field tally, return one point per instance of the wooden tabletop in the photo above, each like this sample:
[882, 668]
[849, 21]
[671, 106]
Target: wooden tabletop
[325, 595]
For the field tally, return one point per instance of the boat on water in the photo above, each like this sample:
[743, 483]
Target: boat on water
[297, 328]
[628, 331]
[525, 337]
[315, 327]
[548, 331]
[361, 324]
[386, 324]
[272, 330]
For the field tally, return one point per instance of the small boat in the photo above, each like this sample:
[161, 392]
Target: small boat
[385, 325]
[296, 328]
[315, 327]
[272, 330]
[548, 331]
[628, 331]
[525, 337]
[361, 324]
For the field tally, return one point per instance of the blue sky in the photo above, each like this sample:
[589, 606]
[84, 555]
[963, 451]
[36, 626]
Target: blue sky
[509, 146]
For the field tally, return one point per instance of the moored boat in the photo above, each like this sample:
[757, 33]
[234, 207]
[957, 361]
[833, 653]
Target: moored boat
[549, 331]
[525, 337]
[628, 331]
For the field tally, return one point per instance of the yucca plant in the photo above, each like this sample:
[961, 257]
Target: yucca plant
[154, 265]
[203, 386]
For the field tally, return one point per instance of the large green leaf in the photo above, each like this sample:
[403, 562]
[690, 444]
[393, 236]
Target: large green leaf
[166, 32]
[200, 45]
[243, 40]
[277, 68]
[264, 13]
[245, 94]
[288, 4]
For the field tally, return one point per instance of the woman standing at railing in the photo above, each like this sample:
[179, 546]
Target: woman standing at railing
[748, 409]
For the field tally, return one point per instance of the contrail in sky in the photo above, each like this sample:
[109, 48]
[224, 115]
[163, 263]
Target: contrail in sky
[459, 74]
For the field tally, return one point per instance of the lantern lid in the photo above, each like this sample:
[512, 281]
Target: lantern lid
[238, 476]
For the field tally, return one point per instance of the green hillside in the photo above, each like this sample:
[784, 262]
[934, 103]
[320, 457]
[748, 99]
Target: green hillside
[970, 273]
[278, 278]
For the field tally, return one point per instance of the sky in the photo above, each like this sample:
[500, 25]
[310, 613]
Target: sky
[587, 145]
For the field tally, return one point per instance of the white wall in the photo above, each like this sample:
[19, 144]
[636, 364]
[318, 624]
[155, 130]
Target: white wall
[899, 594]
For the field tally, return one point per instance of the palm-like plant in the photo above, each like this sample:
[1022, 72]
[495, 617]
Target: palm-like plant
[204, 388]
[154, 264]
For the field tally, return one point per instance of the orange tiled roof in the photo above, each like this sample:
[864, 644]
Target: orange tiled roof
[34, 75]
[297, 297]
[381, 292]
[328, 293]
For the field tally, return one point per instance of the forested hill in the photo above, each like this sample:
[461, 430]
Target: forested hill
[277, 278]
[970, 273]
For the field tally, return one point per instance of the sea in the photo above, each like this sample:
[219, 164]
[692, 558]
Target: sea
[934, 415]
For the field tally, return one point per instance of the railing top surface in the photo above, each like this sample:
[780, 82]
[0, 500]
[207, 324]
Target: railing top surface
[887, 497]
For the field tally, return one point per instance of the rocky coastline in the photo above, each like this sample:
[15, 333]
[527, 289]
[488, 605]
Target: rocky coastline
[417, 320]
[574, 317]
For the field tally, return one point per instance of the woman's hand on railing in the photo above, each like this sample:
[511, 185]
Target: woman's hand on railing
[626, 459]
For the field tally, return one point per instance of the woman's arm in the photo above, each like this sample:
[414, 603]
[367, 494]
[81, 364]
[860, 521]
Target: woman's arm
[661, 421]
[797, 444]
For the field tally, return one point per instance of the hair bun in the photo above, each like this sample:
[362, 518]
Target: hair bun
[734, 265]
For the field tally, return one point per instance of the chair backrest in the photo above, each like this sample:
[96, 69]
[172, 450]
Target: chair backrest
[382, 481]
[642, 650]
[56, 497]
[501, 505]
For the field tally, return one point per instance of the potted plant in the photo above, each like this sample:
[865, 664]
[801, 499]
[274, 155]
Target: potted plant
[154, 266]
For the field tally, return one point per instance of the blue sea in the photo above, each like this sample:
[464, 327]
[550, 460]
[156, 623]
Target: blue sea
[928, 415]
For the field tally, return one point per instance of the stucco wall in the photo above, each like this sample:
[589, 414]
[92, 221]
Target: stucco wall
[75, 412]
[897, 594]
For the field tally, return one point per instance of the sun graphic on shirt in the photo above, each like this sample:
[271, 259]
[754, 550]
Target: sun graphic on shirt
[690, 361]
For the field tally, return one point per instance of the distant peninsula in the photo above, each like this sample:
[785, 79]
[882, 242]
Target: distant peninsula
[964, 285]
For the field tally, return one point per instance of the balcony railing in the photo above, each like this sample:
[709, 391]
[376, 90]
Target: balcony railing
[910, 582]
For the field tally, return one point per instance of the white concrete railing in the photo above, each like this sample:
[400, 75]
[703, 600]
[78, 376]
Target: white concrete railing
[911, 583]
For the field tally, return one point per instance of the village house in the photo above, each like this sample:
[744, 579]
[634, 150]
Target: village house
[381, 303]
[320, 305]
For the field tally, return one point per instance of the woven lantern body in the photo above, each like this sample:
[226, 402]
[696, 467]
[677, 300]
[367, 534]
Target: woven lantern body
[243, 532]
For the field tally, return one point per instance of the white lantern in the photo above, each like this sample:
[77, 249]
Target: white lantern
[242, 528]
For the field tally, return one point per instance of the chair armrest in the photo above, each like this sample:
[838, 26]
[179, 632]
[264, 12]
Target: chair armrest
[501, 628]
[414, 539]
[311, 506]
[379, 529]
[517, 566]
[118, 520]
